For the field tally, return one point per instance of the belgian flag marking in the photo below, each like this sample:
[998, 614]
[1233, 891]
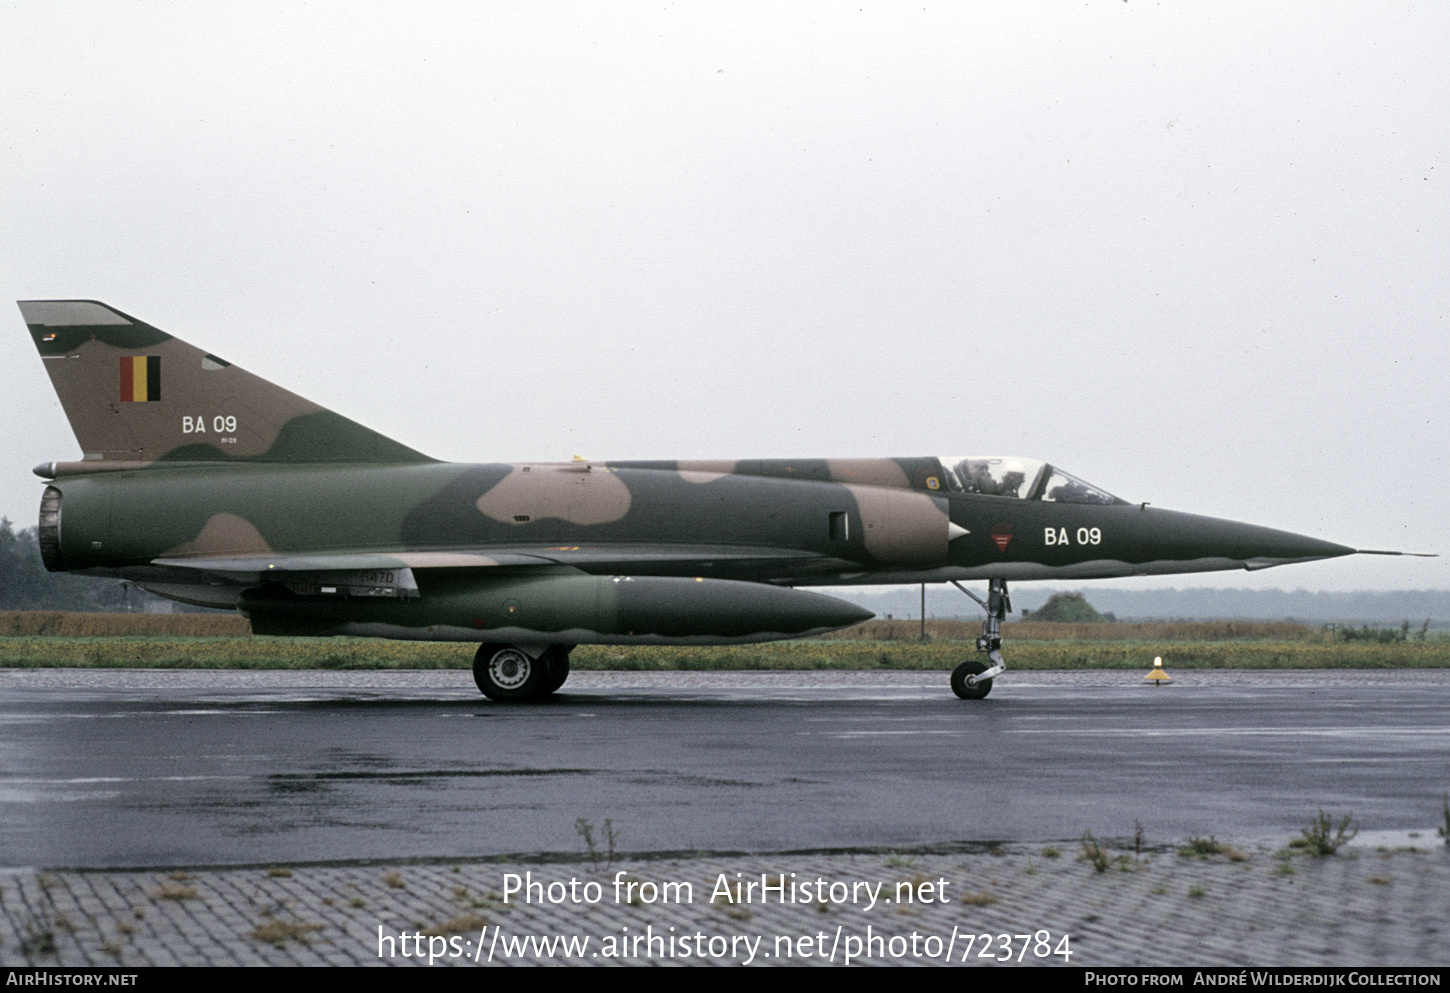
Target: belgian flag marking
[140, 378]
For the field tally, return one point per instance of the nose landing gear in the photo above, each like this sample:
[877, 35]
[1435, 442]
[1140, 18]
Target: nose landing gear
[972, 680]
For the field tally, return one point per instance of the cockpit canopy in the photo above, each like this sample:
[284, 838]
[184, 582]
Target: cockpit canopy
[1021, 479]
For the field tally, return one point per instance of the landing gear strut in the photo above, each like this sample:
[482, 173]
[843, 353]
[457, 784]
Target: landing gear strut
[972, 680]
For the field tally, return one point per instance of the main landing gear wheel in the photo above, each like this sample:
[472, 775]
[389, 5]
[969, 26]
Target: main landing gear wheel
[974, 690]
[558, 657]
[508, 674]
[505, 673]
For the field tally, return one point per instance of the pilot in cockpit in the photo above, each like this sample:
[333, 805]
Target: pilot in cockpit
[978, 478]
[1012, 480]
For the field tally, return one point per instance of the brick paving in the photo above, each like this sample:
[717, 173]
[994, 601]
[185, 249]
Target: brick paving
[1360, 907]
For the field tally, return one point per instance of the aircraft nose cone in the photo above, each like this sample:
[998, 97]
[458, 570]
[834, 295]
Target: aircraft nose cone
[1272, 547]
[1256, 547]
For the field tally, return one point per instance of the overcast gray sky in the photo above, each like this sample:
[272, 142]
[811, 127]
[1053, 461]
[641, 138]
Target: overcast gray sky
[1193, 253]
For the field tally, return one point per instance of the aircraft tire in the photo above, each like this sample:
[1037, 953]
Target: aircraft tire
[974, 691]
[558, 656]
[506, 674]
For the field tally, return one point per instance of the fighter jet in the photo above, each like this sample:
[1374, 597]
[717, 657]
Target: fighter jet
[206, 484]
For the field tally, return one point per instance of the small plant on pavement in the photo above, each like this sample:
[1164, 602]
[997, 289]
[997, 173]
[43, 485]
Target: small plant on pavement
[1325, 837]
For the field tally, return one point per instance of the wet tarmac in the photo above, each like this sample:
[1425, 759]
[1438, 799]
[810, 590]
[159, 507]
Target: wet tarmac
[132, 768]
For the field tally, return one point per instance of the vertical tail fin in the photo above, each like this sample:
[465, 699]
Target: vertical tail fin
[135, 394]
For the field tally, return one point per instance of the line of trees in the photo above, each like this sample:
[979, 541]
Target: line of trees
[25, 585]
[1382, 636]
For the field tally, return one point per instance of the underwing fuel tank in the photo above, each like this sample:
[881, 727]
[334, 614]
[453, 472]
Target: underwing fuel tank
[570, 608]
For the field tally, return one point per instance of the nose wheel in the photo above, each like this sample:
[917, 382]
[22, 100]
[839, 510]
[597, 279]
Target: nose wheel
[967, 682]
[972, 680]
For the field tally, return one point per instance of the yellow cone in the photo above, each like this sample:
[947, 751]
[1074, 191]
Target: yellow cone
[1157, 676]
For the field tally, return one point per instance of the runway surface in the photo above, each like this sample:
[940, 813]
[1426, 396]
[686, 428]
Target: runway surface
[144, 768]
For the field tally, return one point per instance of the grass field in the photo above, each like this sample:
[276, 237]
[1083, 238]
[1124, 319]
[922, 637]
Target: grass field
[214, 641]
[65, 624]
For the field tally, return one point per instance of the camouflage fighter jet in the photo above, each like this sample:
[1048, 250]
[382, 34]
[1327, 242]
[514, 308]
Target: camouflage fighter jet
[203, 483]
